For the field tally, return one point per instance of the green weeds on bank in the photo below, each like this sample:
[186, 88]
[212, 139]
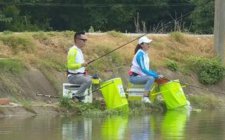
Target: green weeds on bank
[18, 43]
[98, 109]
[206, 101]
[172, 65]
[11, 66]
[178, 36]
[27, 105]
[209, 71]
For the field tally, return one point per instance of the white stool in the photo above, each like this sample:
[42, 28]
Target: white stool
[69, 90]
[135, 92]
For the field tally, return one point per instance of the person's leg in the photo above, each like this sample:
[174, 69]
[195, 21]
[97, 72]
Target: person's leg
[148, 85]
[147, 81]
[83, 80]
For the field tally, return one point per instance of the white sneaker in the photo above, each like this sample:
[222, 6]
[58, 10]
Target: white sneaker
[146, 100]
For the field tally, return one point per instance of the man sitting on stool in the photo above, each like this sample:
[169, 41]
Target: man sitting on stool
[76, 66]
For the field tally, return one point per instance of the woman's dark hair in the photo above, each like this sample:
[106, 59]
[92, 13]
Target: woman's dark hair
[137, 48]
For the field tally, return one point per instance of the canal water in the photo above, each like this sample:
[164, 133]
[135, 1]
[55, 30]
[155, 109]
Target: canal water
[172, 125]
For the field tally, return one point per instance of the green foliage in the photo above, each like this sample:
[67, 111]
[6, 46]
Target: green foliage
[11, 65]
[172, 65]
[91, 29]
[108, 15]
[5, 19]
[66, 103]
[203, 16]
[7, 32]
[177, 36]
[18, 43]
[209, 71]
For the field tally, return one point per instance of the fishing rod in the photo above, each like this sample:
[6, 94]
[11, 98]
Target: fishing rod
[115, 49]
[47, 95]
[52, 96]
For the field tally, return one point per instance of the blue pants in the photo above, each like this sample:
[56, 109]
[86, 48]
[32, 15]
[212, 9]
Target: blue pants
[144, 80]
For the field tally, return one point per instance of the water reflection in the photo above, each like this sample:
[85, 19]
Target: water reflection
[140, 128]
[173, 124]
[113, 128]
[35, 128]
[80, 129]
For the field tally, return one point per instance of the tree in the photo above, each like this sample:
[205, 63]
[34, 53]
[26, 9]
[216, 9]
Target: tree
[203, 16]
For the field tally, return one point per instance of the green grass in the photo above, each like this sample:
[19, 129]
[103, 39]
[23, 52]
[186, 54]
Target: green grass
[69, 34]
[41, 36]
[18, 43]
[97, 109]
[27, 105]
[206, 101]
[11, 66]
[115, 34]
[49, 74]
[178, 36]
[172, 65]
[10, 85]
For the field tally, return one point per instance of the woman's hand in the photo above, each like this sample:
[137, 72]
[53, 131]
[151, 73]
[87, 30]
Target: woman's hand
[160, 76]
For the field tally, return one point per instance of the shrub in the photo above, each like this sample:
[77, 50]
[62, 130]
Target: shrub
[209, 71]
[178, 36]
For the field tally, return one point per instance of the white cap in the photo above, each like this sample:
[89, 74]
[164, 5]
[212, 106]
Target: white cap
[144, 39]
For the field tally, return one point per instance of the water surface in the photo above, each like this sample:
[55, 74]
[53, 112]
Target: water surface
[172, 125]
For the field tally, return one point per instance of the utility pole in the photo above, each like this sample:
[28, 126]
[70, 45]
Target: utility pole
[219, 29]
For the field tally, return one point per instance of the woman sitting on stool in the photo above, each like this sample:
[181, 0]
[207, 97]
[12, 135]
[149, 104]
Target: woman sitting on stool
[140, 73]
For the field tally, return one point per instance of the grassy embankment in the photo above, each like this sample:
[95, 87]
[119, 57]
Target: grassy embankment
[176, 55]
